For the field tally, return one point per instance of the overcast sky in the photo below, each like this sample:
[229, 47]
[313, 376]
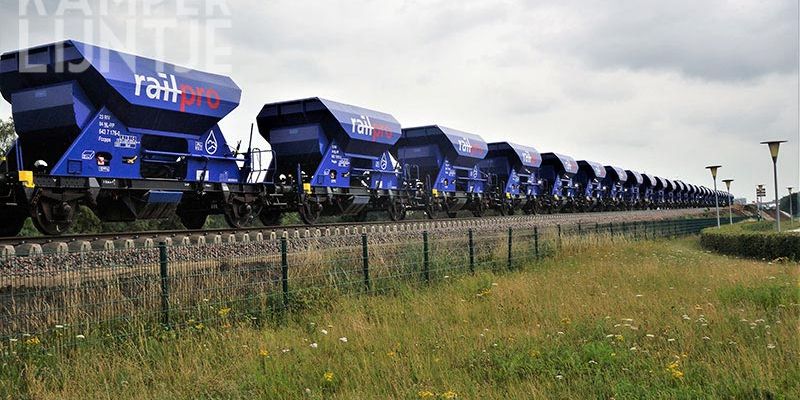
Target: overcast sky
[665, 87]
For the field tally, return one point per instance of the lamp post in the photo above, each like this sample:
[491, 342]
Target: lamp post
[730, 203]
[791, 212]
[774, 146]
[713, 169]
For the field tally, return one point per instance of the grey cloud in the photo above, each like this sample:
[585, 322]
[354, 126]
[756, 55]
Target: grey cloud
[714, 40]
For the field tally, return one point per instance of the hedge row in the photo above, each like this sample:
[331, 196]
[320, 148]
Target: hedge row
[752, 244]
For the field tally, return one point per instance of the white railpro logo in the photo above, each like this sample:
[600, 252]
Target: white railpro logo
[362, 126]
[526, 157]
[464, 145]
[165, 89]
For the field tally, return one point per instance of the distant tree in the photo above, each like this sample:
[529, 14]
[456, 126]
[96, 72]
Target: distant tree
[784, 202]
[7, 134]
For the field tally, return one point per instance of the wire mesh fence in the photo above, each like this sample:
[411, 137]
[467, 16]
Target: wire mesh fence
[111, 294]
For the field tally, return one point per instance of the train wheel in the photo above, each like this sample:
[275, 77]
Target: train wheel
[310, 211]
[430, 209]
[270, 218]
[238, 215]
[430, 212]
[362, 216]
[193, 220]
[53, 218]
[396, 210]
[12, 219]
[479, 210]
[530, 208]
[510, 210]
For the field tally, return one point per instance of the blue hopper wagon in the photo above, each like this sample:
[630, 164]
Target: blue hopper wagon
[682, 196]
[127, 136]
[649, 191]
[441, 170]
[558, 173]
[634, 189]
[669, 193]
[616, 178]
[330, 158]
[513, 177]
[590, 177]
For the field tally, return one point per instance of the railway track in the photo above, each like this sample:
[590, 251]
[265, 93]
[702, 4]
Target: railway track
[34, 245]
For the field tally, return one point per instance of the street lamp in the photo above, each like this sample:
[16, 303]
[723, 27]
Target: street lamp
[713, 169]
[730, 203]
[774, 146]
[791, 213]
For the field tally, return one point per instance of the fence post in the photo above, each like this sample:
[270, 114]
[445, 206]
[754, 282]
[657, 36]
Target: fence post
[365, 258]
[536, 242]
[611, 231]
[510, 244]
[471, 251]
[559, 237]
[426, 258]
[285, 270]
[597, 232]
[163, 261]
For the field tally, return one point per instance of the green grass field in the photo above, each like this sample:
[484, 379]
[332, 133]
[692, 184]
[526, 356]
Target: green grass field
[639, 320]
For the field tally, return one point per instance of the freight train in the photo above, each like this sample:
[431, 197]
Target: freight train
[134, 138]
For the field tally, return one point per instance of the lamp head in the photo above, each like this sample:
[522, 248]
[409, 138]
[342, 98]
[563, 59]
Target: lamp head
[728, 183]
[714, 169]
[774, 146]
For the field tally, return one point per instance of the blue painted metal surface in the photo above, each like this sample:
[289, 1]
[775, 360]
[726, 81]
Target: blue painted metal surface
[162, 196]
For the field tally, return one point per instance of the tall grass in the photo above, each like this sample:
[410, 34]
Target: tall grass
[601, 319]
